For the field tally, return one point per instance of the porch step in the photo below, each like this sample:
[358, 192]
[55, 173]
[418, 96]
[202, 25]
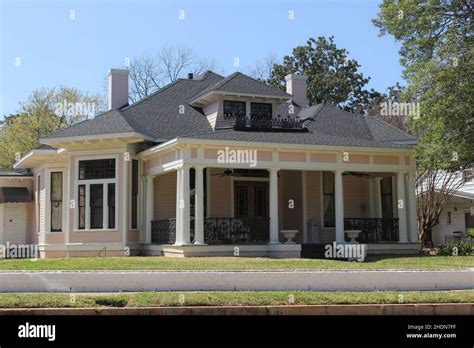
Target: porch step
[312, 251]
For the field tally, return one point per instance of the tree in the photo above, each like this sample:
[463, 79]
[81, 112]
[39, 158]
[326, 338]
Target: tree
[437, 55]
[263, 69]
[333, 78]
[149, 73]
[45, 110]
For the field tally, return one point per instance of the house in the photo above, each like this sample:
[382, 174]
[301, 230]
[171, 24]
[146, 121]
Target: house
[458, 214]
[213, 165]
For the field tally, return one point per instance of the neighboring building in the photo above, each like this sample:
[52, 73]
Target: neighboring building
[159, 176]
[458, 215]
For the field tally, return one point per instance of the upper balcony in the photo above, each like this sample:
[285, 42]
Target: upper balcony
[266, 123]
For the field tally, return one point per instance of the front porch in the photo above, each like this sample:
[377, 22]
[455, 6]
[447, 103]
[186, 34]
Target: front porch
[230, 214]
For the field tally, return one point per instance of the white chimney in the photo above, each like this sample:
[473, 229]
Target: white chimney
[296, 86]
[118, 88]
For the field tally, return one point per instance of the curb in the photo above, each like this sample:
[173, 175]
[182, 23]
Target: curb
[358, 309]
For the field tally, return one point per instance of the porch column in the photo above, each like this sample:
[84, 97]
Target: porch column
[339, 206]
[182, 213]
[274, 206]
[401, 203]
[199, 207]
[412, 221]
[149, 207]
[377, 198]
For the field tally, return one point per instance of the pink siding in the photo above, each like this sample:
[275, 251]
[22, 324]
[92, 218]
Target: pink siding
[323, 157]
[264, 155]
[361, 159]
[293, 156]
[356, 196]
[55, 238]
[379, 159]
[134, 236]
[220, 194]
[165, 196]
[211, 111]
[42, 206]
[31, 236]
[96, 237]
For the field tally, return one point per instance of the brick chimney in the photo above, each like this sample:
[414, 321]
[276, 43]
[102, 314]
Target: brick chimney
[118, 88]
[296, 86]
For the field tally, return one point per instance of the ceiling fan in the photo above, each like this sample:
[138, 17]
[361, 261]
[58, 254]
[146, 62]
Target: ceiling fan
[227, 172]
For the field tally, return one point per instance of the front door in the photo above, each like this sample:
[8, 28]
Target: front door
[251, 199]
[14, 222]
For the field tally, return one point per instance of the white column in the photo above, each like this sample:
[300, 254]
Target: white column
[274, 206]
[411, 206]
[126, 200]
[149, 208]
[339, 206]
[377, 198]
[182, 216]
[178, 210]
[199, 207]
[401, 204]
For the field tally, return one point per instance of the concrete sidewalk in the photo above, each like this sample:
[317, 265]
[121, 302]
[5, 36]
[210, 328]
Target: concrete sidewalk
[112, 281]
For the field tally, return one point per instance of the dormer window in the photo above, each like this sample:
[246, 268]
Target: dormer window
[233, 108]
[261, 110]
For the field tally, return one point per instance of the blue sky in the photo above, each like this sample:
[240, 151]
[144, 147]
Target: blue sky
[55, 50]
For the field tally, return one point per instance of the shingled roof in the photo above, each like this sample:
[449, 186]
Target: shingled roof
[160, 117]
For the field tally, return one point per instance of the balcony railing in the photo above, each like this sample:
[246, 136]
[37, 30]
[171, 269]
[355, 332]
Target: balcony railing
[374, 230]
[266, 123]
[216, 231]
[236, 230]
[163, 231]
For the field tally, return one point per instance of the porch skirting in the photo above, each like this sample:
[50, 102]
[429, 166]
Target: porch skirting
[254, 250]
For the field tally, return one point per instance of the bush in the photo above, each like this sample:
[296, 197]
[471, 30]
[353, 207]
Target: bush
[457, 247]
[470, 232]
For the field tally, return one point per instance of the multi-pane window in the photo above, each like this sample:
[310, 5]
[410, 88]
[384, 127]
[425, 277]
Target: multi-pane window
[96, 204]
[134, 194]
[387, 197]
[97, 169]
[111, 204]
[56, 198]
[234, 108]
[261, 110]
[329, 200]
[82, 207]
[97, 194]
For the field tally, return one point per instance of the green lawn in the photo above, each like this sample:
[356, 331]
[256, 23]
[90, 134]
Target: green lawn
[240, 298]
[239, 263]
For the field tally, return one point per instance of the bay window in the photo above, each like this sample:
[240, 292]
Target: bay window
[96, 194]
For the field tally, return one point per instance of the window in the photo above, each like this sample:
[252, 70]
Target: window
[261, 110]
[134, 193]
[97, 194]
[449, 218]
[96, 205]
[111, 204]
[82, 207]
[56, 200]
[234, 108]
[97, 169]
[329, 200]
[387, 199]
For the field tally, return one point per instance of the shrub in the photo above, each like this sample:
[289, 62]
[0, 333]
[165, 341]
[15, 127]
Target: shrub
[470, 232]
[456, 247]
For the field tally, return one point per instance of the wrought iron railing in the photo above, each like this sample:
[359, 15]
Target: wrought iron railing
[236, 230]
[262, 123]
[216, 231]
[163, 231]
[374, 230]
